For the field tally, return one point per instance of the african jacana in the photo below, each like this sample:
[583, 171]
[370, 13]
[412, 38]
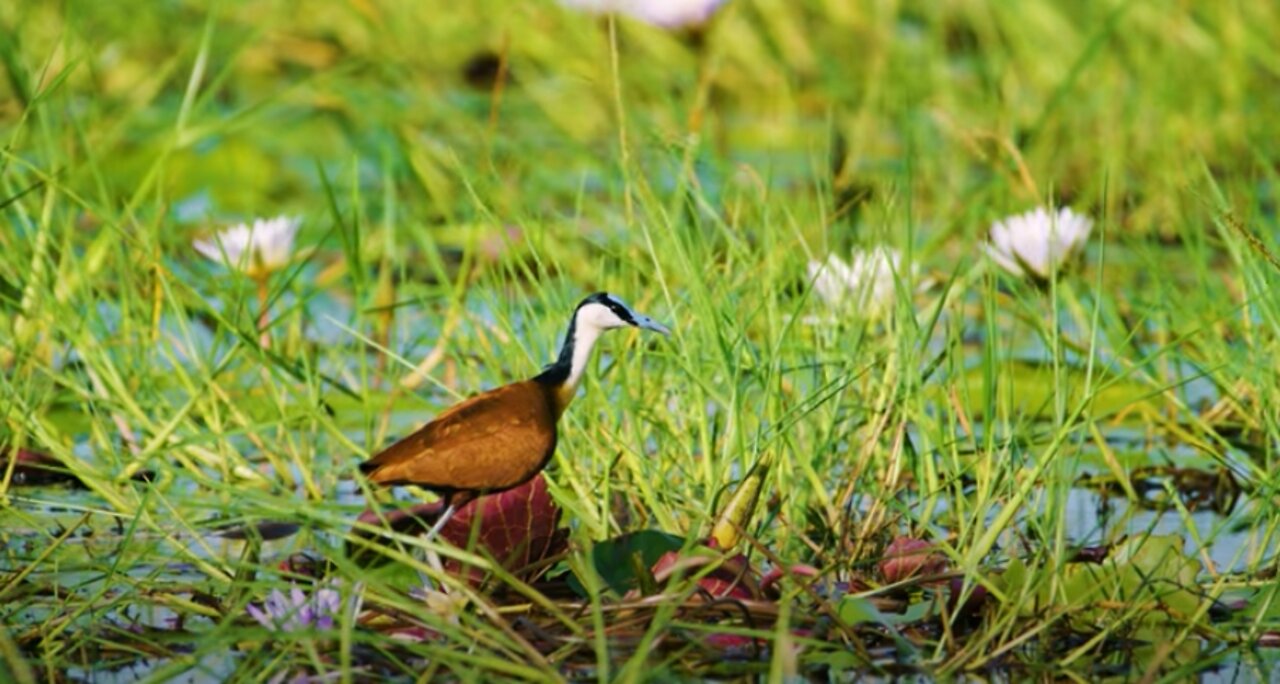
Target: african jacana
[502, 438]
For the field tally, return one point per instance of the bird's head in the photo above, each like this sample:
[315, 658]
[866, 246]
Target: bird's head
[594, 315]
[603, 311]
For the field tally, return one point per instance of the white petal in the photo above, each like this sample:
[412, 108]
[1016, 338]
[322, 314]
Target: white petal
[873, 274]
[209, 249]
[264, 244]
[868, 281]
[830, 279]
[1000, 248]
[1038, 240]
[274, 240]
[236, 239]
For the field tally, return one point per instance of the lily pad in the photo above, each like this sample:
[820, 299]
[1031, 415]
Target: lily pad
[615, 560]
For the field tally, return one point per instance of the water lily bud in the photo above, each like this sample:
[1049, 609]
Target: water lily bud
[736, 514]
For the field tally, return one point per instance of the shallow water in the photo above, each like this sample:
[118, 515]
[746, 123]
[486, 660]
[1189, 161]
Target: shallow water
[1092, 517]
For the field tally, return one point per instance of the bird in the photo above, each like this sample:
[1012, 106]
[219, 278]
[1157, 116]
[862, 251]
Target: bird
[502, 438]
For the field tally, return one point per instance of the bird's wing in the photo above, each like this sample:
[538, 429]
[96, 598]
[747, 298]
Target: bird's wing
[493, 440]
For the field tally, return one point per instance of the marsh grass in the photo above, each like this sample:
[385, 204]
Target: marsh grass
[448, 231]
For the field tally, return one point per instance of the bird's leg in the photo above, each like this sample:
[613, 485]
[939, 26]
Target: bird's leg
[444, 519]
[454, 501]
[433, 558]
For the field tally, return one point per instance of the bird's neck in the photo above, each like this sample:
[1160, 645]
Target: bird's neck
[563, 376]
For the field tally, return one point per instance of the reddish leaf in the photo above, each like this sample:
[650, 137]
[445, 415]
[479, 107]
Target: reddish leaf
[735, 646]
[304, 564]
[518, 527]
[776, 574]
[741, 647]
[1268, 640]
[34, 468]
[907, 557]
[837, 590]
[733, 578]
[1091, 554]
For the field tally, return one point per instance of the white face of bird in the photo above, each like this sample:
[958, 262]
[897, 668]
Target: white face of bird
[596, 314]
[605, 312]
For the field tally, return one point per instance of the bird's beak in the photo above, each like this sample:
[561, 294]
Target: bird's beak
[650, 324]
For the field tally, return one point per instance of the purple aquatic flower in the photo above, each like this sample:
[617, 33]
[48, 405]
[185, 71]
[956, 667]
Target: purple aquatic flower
[298, 611]
[260, 615]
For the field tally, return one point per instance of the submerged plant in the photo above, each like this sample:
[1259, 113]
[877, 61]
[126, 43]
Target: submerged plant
[297, 611]
[1037, 243]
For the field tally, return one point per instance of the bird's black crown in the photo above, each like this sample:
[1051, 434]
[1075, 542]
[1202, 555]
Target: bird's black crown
[606, 299]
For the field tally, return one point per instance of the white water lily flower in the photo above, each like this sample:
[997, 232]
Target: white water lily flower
[1038, 242]
[257, 249]
[668, 14]
[866, 281]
